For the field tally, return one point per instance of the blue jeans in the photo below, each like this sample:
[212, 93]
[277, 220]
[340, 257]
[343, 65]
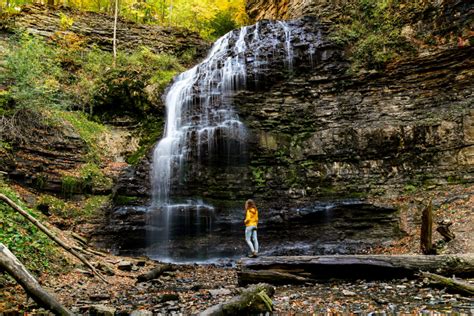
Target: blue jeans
[251, 238]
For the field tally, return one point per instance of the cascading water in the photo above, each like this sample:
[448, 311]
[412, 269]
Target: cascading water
[202, 127]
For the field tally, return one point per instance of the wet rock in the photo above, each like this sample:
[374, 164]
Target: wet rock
[218, 292]
[105, 269]
[125, 266]
[99, 297]
[168, 297]
[141, 313]
[348, 293]
[101, 310]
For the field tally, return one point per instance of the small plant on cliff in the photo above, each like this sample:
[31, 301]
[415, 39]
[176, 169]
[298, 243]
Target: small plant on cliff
[258, 176]
[65, 22]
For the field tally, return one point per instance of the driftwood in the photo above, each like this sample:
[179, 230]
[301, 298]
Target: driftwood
[450, 283]
[51, 235]
[298, 269]
[253, 300]
[426, 242]
[13, 266]
[155, 273]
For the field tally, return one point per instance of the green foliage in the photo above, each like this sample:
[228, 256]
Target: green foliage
[32, 74]
[88, 130]
[122, 90]
[90, 177]
[124, 200]
[258, 176]
[65, 22]
[373, 31]
[94, 205]
[410, 188]
[32, 247]
[150, 131]
[71, 185]
[89, 208]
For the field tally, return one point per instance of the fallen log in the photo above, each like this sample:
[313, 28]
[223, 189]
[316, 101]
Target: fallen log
[13, 266]
[314, 268]
[48, 233]
[155, 273]
[253, 300]
[451, 284]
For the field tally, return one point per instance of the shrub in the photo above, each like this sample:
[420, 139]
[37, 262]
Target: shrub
[32, 74]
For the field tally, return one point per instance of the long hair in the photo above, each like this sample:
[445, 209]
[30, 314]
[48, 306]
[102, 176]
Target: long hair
[249, 204]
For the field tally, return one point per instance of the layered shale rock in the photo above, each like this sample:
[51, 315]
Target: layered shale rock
[324, 133]
[96, 29]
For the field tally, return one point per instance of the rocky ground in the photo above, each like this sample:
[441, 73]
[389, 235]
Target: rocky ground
[192, 288]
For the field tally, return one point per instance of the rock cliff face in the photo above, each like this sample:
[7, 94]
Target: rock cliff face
[324, 133]
[439, 17]
[45, 158]
[318, 133]
[97, 29]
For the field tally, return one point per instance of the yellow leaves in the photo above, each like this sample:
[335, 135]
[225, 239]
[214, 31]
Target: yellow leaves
[65, 22]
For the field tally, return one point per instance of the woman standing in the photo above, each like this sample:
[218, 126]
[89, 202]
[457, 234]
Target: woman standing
[251, 222]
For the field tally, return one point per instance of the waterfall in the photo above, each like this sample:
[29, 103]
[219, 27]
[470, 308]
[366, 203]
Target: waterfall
[201, 122]
[199, 114]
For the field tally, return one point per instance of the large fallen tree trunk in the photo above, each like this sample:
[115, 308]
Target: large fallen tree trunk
[254, 300]
[313, 268]
[13, 266]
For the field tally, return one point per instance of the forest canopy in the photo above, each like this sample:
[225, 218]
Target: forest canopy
[211, 18]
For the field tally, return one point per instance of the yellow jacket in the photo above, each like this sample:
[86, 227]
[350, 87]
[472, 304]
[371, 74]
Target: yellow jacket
[251, 217]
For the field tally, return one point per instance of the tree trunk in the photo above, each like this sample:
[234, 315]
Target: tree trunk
[451, 284]
[50, 235]
[298, 269]
[426, 230]
[115, 33]
[254, 300]
[13, 266]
